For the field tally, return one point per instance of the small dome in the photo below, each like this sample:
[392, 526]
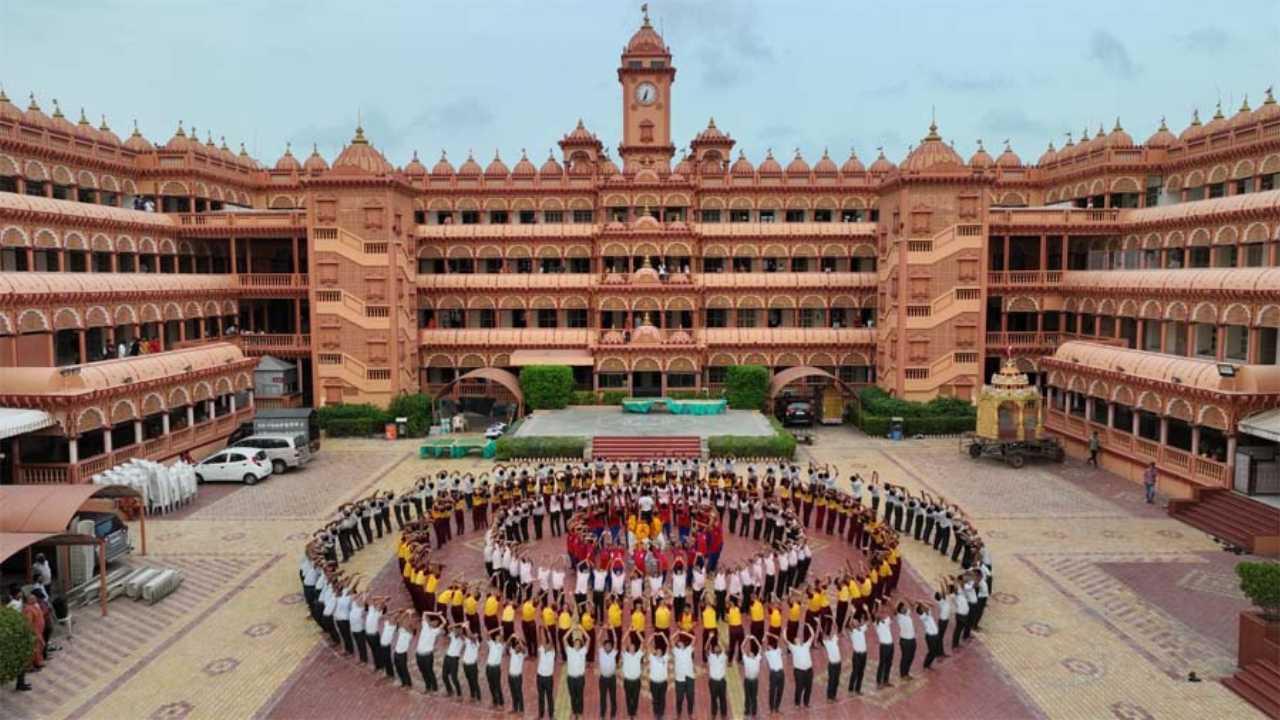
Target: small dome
[798, 167]
[1068, 149]
[497, 168]
[981, 158]
[769, 166]
[8, 111]
[742, 166]
[287, 162]
[853, 166]
[1243, 116]
[34, 116]
[711, 134]
[1118, 138]
[826, 167]
[646, 41]
[415, 168]
[177, 143]
[1194, 130]
[316, 163]
[244, 159]
[1050, 155]
[524, 168]
[932, 154]
[580, 134]
[1269, 109]
[85, 129]
[444, 168]
[1217, 123]
[362, 156]
[137, 142]
[1008, 159]
[210, 148]
[1161, 138]
[105, 135]
[470, 168]
[882, 164]
[59, 122]
[225, 153]
[684, 168]
[551, 168]
[607, 168]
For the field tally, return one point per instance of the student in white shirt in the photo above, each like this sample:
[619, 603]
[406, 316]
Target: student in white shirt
[717, 665]
[777, 680]
[493, 665]
[632, 669]
[430, 627]
[515, 675]
[546, 673]
[683, 654]
[470, 659]
[831, 644]
[751, 677]
[575, 666]
[607, 672]
[884, 635]
[658, 673]
[404, 636]
[452, 655]
[802, 663]
[932, 640]
[858, 638]
[906, 640]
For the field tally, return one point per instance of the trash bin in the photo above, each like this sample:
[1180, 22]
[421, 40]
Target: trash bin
[390, 430]
[896, 425]
[402, 426]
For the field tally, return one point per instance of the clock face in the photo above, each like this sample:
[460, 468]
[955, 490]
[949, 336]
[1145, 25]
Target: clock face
[646, 93]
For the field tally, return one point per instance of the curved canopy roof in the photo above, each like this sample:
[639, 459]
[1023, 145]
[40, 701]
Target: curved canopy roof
[115, 373]
[1261, 279]
[1268, 200]
[30, 514]
[86, 211]
[502, 377]
[790, 375]
[1171, 369]
[102, 284]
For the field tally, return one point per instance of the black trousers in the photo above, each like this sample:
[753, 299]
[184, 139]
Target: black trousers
[608, 696]
[402, 669]
[942, 636]
[358, 639]
[684, 695]
[804, 687]
[515, 683]
[859, 669]
[719, 698]
[427, 668]
[750, 697]
[934, 645]
[884, 669]
[546, 695]
[371, 639]
[450, 672]
[961, 622]
[777, 683]
[631, 692]
[387, 664]
[908, 646]
[833, 680]
[658, 691]
[344, 630]
[576, 685]
[537, 526]
[493, 674]
[472, 674]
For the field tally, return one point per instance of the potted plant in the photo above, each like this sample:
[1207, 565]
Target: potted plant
[17, 642]
[1259, 628]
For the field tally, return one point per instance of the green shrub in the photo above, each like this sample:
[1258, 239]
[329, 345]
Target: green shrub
[583, 397]
[546, 387]
[695, 394]
[354, 420]
[17, 642]
[356, 427]
[416, 407]
[878, 426]
[509, 447]
[875, 401]
[747, 387]
[1260, 581]
[781, 444]
[613, 397]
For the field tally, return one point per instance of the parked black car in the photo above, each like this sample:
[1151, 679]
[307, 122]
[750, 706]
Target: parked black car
[798, 413]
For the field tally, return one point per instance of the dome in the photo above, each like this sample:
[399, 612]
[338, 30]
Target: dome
[1217, 123]
[470, 168]
[1269, 109]
[85, 130]
[59, 122]
[853, 165]
[1068, 149]
[797, 166]
[1050, 155]
[1161, 138]
[225, 153]
[1194, 130]
[497, 169]
[607, 168]
[551, 168]
[769, 166]
[362, 156]
[932, 154]
[316, 163]
[287, 162]
[1008, 159]
[684, 168]
[178, 142]
[826, 167]
[1243, 116]
[8, 111]
[646, 41]
[105, 135]
[33, 116]
[882, 164]
[415, 168]
[245, 160]
[524, 168]
[443, 168]
[580, 134]
[209, 147]
[137, 142]
[742, 166]
[981, 158]
[711, 134]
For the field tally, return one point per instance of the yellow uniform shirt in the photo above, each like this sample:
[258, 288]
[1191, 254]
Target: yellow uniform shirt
[735, 616]
[757, 611]
[662, 618]
[615, 615]
[637, 621]
[491, 606]
[565, 621]
[587, 622]
[775, 618]
[548, 617]
[709, 619]
[509, 614]
[793, 613]
[527, 611]
[686, 621]
[432, 582]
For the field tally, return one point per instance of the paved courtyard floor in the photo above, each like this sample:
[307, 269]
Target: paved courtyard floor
[1102, 604]
[613, 421]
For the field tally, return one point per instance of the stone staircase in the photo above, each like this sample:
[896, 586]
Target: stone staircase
[1259, 683]
[1233, 517]
[622, 448]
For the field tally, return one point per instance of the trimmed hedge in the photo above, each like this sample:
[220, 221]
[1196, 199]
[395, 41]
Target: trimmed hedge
[939, 416]
[747, 387]
[540, 447]
[546, 387]
[416, 407]
[583, 397]
[352, 420]
[781, 444]
[1260, 582]
[876, 426]
[355, 427]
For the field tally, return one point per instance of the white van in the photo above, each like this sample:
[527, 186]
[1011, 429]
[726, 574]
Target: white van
[283, 450]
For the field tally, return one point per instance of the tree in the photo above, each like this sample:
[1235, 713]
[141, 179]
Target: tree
[546, 387]
[416, 407]
[747, 387]
[17, 643]
[1260, 581]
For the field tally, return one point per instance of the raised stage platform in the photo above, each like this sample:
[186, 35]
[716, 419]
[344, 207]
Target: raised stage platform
[595, 421]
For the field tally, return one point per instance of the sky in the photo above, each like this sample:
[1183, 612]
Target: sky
[486, 76]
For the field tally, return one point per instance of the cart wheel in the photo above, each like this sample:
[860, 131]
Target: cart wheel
[1015, 460]
[975, 450]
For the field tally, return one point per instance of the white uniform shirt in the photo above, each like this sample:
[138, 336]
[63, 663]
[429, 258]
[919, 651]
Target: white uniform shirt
[632, 665]
[716, 665]
[884, 632]
[546, 662]
[801, 658]
[427, 639]
[575, 660]
[684, 662]
[773, 656]
[403, 637]
[906, 628]
[930, 625]
[515, 663]
[607, 661]
[832, 645]
[750, 667]
[494, 657]
[657, 667]
[858, 636]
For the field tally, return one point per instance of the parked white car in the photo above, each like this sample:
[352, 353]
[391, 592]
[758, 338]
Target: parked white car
[234, 465]
[284, 451]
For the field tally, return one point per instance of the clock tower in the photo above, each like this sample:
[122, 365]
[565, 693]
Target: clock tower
[646, 76]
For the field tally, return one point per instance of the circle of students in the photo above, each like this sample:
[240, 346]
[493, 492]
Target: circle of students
[648, 596]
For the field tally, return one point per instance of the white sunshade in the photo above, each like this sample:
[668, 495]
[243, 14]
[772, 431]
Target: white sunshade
[1264, 425]
[19, 421]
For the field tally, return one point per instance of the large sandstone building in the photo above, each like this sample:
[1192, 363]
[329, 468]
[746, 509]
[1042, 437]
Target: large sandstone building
[1136, 281]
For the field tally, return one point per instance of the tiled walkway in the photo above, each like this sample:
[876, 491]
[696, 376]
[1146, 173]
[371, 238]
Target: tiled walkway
[1101, 606]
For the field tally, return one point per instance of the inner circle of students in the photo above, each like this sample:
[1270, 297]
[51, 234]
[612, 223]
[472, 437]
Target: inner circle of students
[640, 593]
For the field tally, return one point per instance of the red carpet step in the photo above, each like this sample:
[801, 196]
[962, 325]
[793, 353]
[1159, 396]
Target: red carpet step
[1259, 683]
[621, 448]
[1231, 516]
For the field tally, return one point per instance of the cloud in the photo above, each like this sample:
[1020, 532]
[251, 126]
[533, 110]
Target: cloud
[463, 113]
[728, 45]
[1107, 50]
[1003, 122]
[1207, 39]
[969, 83]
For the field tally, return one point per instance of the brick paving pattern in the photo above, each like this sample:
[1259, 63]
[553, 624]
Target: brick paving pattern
[1100, 606]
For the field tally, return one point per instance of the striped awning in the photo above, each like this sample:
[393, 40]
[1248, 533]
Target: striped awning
[20, 421]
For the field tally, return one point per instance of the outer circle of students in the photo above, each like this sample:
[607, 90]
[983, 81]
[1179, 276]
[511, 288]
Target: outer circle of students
[648, 536]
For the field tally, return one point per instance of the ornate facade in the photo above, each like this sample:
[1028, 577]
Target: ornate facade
[652, 273]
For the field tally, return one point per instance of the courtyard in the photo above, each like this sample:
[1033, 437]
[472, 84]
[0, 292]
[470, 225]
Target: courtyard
[1101, 605]
[592, 421]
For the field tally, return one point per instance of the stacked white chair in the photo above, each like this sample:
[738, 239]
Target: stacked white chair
[164, 488]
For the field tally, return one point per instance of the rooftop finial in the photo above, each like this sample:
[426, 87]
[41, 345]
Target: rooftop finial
[980, 144]
[83, 120]
[288, 149]
[1117, 128]
[359, 137]
[1163, 124]
[136, 131]
[104, 127]
[644, 10]
[181, 132]
[57, 109]
[33, 105]
[1195, 116]
[3, 97]
[1244, 107]
[1068, 134]
[1271, 100]
[1217, 115]
[1007, 148]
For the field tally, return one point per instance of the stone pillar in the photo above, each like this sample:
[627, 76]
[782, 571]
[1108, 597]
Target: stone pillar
[84, 353]
[164, 423]
[1164, 430]
[137, 432]
[191, 415]
[1220, 352]
[232, 398]
[73, 450]
[1134, 429]
[106, 440]
[1111, 415]
[249, 392]
[1195, 440]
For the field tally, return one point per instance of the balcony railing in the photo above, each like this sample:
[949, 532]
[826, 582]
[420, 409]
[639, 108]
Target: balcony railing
[1139, 449]
[280, 281]
[1024, 277]
[1052, 216]
[277, 343]
[254, 219]
[646, 336]
[999, 340]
